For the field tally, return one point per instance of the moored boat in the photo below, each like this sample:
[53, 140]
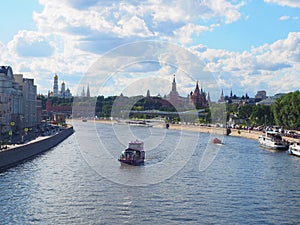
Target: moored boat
[134, 154]
[272, 140]
[294, 149]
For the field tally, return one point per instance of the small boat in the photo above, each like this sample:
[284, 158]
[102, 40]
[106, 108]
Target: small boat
[216, 141]
[272, 140]
[84, 120]
[294, 149]
[134, 154]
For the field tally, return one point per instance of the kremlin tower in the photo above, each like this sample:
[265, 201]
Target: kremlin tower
[196, 98]
[55, 86]
[63, 93]
[199, 97]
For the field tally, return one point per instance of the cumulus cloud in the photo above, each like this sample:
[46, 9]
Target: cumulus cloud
[31, 44]
[72, 34]
[133, 20]
[270, 67]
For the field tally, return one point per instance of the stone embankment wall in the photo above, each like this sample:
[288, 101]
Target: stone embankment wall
[17, 154]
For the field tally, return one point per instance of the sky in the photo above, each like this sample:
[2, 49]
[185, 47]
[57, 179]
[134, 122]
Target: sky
[131, 46]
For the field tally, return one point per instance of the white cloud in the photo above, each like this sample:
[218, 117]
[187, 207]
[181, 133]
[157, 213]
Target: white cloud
[184, 34]
[274, 67]
[131, 19]
[288, 18]
[290, 3]
[76, 32]
[31, 44]
[284, 18]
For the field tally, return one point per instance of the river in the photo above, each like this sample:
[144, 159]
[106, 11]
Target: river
[185, 180]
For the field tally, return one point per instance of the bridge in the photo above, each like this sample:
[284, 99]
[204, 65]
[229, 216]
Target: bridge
[199, 113]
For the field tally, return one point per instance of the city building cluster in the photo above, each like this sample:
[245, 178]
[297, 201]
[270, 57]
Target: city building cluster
[198, 98]
[18, 101]
[20, 109]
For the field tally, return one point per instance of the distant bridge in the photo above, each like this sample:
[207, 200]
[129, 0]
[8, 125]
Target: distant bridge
[199, 113]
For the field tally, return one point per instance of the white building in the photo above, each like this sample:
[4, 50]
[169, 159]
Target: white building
[63, 93]
[29, 92]
[10, 100]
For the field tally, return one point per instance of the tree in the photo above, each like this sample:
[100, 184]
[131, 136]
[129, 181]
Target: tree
[262, 115]
[287, 110]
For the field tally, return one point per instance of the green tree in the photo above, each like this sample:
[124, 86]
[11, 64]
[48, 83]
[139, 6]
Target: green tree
[262, 115]
[287, 110]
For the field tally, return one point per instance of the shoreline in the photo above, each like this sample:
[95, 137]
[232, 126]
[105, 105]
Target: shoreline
[16, 154]
[249, 134]
[195, 128]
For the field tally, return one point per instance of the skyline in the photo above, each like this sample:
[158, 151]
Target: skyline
[247, 45]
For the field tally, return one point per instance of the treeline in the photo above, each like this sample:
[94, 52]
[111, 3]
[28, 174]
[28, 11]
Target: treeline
[285, 112]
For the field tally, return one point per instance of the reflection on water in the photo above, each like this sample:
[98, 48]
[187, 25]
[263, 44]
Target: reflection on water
[243, 185]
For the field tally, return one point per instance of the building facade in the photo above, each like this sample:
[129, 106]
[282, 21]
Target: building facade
[29, 116]
[10, 100]
[194, 99]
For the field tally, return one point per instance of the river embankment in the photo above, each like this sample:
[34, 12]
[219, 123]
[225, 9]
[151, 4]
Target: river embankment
[249, 134]
[15, 154]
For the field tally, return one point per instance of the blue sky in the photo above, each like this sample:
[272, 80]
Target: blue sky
[247, 45]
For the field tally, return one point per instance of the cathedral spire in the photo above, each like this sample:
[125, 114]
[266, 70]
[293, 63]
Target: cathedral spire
[222, 99]
[174, 84]
[88, 91]
[83, 92]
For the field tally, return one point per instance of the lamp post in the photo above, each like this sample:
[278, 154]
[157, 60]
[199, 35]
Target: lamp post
[10, 133]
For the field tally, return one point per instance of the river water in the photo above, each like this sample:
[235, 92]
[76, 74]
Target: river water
[185, 180]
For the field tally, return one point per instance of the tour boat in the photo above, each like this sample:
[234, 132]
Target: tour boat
[294, 149]
[272, 140]
[134, 154]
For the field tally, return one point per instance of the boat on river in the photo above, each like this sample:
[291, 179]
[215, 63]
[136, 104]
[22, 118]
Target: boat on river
[134, 154]
[216, 141]
[294, 149]
[272, 140]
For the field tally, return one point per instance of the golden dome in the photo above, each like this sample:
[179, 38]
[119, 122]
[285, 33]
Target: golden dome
[55, 77]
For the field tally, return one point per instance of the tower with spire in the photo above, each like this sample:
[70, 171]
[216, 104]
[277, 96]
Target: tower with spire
[83, 92]
[88, 91]
[173, 96]
[63, 90]
[198, 98]
[221, 99]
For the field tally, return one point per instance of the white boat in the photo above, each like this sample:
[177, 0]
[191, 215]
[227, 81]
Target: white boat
[294, 149]
[272, 140]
